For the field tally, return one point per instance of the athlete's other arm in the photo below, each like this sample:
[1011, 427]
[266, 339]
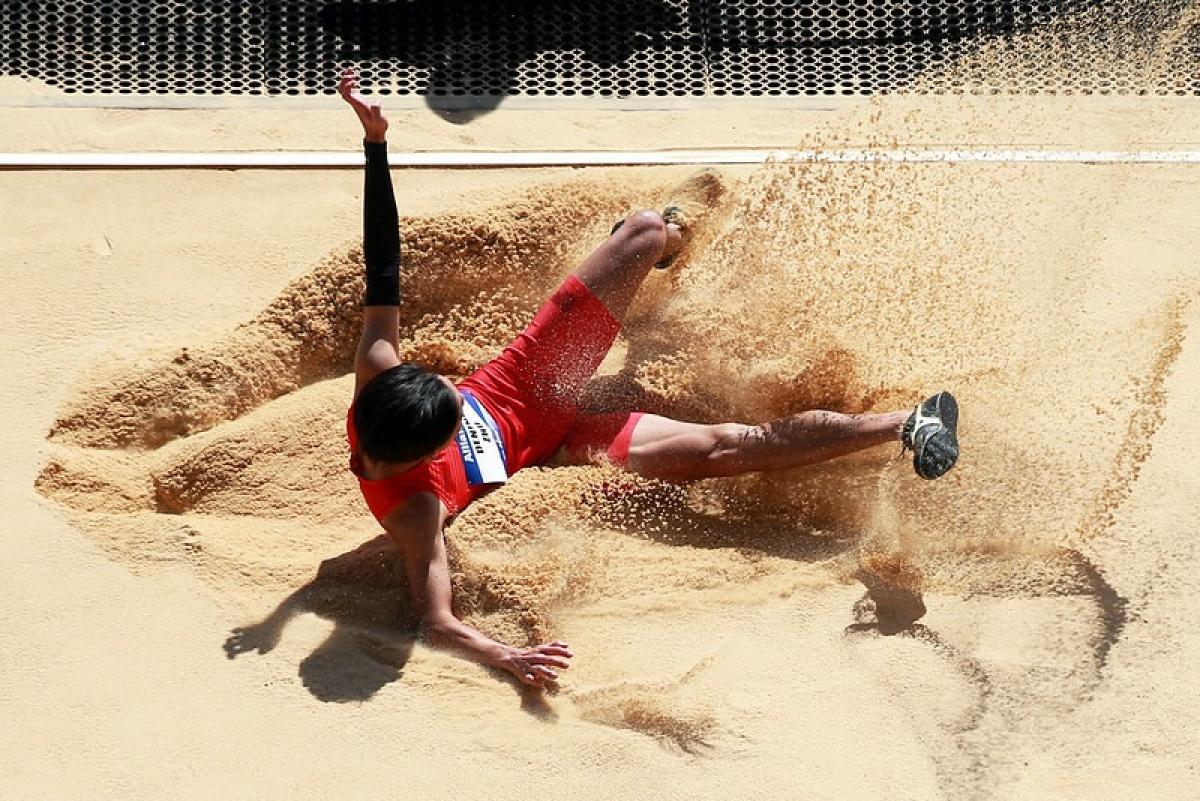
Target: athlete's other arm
[378, 346]
[416, 525]
[380, 341]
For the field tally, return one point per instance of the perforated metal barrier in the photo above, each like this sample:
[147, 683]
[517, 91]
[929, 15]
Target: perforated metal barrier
[489, 49]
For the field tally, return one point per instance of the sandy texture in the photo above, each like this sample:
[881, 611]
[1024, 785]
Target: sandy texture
[919, 121]
[198, 605]
[724, 630]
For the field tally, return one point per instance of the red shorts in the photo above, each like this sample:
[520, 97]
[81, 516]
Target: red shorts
[531, 390]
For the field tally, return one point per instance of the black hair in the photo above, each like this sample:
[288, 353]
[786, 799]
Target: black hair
[405, 413]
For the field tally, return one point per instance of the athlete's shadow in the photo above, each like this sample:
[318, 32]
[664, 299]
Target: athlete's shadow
[363, 592]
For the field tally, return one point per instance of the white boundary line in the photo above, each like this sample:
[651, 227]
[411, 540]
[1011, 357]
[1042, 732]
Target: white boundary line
[318, 160]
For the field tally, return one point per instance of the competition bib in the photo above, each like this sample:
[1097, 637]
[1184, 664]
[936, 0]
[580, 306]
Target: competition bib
[480, 444]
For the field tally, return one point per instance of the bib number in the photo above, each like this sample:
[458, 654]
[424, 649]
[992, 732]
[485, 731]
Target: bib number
[480, 444]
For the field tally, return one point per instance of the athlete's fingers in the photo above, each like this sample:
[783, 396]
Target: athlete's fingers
[544, 673]
[555, 650]
[543, 659]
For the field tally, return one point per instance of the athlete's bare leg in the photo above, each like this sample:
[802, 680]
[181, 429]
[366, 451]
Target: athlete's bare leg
[644, 239]
[678, 451]
[615, 270]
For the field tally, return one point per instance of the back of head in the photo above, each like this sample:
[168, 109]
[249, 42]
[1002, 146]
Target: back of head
[405, 413]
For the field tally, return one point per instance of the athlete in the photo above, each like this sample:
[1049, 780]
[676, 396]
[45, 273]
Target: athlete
[423, 448]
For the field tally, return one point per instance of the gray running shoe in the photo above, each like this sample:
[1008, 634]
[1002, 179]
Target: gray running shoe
[931, 433]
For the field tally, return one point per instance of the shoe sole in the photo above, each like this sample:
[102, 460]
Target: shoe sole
[938, 452]
[672, 215]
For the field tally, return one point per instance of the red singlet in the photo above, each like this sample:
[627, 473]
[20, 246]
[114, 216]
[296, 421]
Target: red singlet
[531, 390]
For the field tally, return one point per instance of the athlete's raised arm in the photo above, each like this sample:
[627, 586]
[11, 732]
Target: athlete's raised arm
[377, 347]
[416, 525]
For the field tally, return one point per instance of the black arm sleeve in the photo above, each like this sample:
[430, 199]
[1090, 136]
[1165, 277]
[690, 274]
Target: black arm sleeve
[381, 230]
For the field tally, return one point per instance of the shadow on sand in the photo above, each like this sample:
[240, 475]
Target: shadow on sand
[472, 49]
[362, 592]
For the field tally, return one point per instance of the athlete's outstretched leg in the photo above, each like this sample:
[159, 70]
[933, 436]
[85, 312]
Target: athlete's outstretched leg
[669, 449]
[659, 447]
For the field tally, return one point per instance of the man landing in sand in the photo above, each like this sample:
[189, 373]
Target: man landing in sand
[423, 448]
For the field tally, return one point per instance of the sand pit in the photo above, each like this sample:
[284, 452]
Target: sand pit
[199, 605]
[697, 609]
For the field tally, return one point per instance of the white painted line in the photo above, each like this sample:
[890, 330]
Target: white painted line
[314, 159]
[299, 159]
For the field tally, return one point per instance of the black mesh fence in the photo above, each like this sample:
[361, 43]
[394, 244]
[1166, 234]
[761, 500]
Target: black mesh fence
[559, 48]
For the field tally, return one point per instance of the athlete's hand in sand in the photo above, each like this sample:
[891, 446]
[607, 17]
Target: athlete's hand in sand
[370, 114]
[535, 666]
